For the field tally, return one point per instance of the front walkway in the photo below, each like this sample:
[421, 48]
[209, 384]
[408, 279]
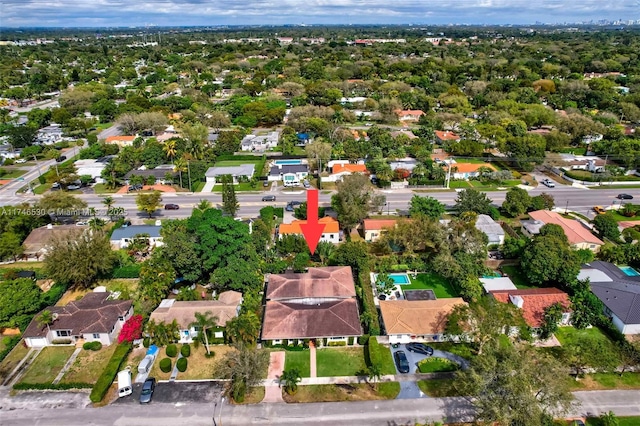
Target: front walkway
[312, 360]
[342, 380]
[208, 187]
[67, 365]
[272, 390]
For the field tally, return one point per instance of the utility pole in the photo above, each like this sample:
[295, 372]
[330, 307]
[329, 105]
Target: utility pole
[448, 178]
[189, 172]
[37, 165]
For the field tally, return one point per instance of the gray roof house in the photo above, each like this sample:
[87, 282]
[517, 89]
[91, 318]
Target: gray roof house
[619, 290]
[290, 174]
[237, 172]
[260, 143]
[159, 172]
[121, 237]
[491, 228]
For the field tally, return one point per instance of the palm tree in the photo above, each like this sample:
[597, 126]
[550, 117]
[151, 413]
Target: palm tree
[203, 323]
[108, 201]
[325, 250]
[203, 205]
[180, 165]
[375, 372]
[170, 149]
[290, 378]
[244, 328]
[46, 318]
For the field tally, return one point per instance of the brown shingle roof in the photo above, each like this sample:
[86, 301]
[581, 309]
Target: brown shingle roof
[91, 314]
[285, 320]
[332, 281]
[419, 317]
[225, 308]
[535, 301]
[41, 237]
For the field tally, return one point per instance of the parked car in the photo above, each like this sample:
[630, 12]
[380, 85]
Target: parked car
[61, 159]
[401, 361]
[289, 208]
[548, 183]
[292, 205]
[21, 161]
[147, 390]
[73, 187]
[171, 207]
[135, 187]
[624, 197]
[269, 198]
[82, 223]
[599, 210]
[265, 183]
[420, 348]
[306, 184]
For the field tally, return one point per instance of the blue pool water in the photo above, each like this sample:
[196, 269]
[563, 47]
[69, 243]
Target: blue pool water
[629, 271]
[288, 162]
[400, 278]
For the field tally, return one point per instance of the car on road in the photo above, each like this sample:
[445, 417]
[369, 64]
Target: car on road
[269, 198]
[599, 210]
[61, 159]
[624, 197]
[171, 207]
[401, 361]
[548, 183]
[82, 223]
[147, 390]
[420, 348]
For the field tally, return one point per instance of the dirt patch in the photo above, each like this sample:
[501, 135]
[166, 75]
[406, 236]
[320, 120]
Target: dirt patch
[201, 367]
[161, 188]
[70, 296]
[45, 285]
[89, 365]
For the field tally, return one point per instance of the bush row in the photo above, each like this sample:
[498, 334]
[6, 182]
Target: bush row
[368, 304]
[375, 351]
[595, 177]
[110, 371]
[51, 386]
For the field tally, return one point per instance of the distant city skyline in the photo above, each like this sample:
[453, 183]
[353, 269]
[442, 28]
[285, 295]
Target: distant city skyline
[125, 13]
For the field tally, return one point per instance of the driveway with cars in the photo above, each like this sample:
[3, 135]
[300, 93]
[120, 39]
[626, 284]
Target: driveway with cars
[172, 392]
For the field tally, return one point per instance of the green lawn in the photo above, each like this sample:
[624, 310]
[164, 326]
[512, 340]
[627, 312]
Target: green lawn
[241, 187]
[436, 365]
[622, 421]
[101, 188]
[440, 286]
[299, 360]
[462, 349]
[48, 364]
[197, 186]
[571, 335]
[488, 186]
[231, 163]
[438, 388]
[515, 274]
[13, 173]
[620, 218]
[340, 361]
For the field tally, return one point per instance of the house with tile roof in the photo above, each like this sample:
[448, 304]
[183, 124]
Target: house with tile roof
[320, 304]
[224, 309]
[409, 114]
[330, 234]
[121, 141]
[443, 136]
[619, 290]
[533, 302]
[94, 318]
[339, 171]
[578, 235]
[468, 170]
[416, 320]
[372, 229]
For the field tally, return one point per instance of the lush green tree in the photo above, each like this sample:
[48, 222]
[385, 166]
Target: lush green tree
[157, 276]
[426, 206]
[301, 261]
[10, 246]
[244, 329]
[204, 322]
[230, 203]
[21, 136]
[385, 284]
[587, 308]
[290, 378]
[238, 273]
[149, 203]
[19, 300]
[516, 202]
[607, 226]
[471, 200]
[608, 419]
[548, 259]
[61, 201]
[543, 201]
[79, 258]
[551, 318]
[354, 200]
[244, 367]
[513, 247]
[353, 254]
[181, 250]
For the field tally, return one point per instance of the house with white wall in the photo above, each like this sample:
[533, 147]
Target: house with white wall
[122, 237]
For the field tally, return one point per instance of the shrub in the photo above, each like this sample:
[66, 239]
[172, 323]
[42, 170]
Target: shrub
[109, 373]
[171, 350]
[341, 343]
[350, 341]
[210, 354]
[9, 344]
[324, 341]
[146, 342]
[185, 350]
[131, 330]
[182, 365]
[92, 346]
[436, 365]
[45, 386]
[165, 365]
[363, 340]
[376, 351]
[61, 341]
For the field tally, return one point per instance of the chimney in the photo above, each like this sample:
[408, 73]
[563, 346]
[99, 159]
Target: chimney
[517, 300]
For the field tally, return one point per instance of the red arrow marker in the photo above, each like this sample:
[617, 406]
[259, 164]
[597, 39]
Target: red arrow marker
[312, 230]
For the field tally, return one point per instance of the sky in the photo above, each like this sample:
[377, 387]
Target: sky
[123, 13]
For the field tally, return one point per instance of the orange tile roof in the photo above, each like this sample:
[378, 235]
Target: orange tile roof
[470, 167]
[353, 168]
[332, 226]
[535, 301]
[417, 317]
[575, 232]
[414, 112]
[375, 224]
[120, 138]
[446, 136]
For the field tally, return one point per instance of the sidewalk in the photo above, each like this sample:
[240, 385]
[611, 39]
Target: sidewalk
[272, 390]
[341, 380]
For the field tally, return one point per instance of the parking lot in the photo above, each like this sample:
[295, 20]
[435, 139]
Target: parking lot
[173, 392]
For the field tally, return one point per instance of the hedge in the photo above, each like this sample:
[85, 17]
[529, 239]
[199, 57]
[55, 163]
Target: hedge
[171, 350]
[185, 350]
[340, 343]
[51, 386]
[363, 340]
[368, 305]
[592, 178]
[165, 365]
[375, 350]
[109, 373]
[92, 346]
[9, 343]
[182, 365]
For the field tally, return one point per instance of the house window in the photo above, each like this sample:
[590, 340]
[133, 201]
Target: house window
[331, 236]
[218, 334]
[63, 333]
[592, 246]
[96, 336]
[277, 342]
[121, 318]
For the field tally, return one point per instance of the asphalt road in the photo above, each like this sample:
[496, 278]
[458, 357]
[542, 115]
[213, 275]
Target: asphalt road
[365, 413]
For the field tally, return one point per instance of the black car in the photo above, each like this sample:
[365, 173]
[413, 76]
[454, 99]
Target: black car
[171, 207]
[147, 390]
[624, 197]
[401, 361]
[269, 198]
[61, 159]
[420, 348]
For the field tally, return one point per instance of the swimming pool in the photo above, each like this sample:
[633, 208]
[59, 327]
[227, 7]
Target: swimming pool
[629, 271]
[287, 162]
[401, 279]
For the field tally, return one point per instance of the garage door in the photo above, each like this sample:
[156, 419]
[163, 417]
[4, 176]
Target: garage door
[37, 342]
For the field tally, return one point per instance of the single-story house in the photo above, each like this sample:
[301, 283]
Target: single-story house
[50, 134]
[38, 241]
[330, 234]
[338, 171]
[159, 173]
[468, 170]
[224, 309]
[243, 171]
[319, 304]
[409, 114]
[578, 235]
[533, 302]
[619, 290]
[416, 320]
[260, 143]
[289, 174]
[372, 229]
[407, 133]
[491, 228]
[94, 318]
[122, 237]
[121, 141]
[446, 136]
[497, 283]
[93, 168]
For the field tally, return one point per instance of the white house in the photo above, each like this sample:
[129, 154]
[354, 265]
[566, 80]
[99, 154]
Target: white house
[289, 174]
[92, 168]
[94, 318]
[330, 234]
[122, 237]
[260, 143]
[243, 171]
[491, 228]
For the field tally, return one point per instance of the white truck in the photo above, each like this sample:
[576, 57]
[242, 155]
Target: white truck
[124, 383]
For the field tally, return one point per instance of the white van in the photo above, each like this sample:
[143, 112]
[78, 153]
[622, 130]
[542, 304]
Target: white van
[124, 383]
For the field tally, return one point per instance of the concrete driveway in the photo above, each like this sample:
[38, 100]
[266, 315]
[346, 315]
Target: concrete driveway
[408, 390]
[184, 392]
